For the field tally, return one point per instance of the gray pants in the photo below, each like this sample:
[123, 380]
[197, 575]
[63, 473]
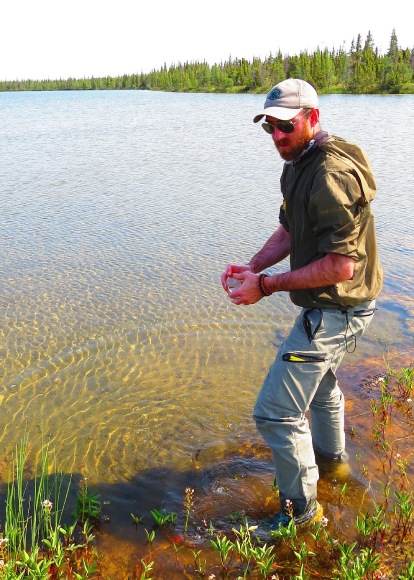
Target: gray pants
[303, 378]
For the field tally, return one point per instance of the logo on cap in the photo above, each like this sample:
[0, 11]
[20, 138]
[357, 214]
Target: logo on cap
[275, 94]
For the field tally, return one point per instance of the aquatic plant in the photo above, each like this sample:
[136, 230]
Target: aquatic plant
[88, 507]
[224, 547]
[150, 535]
[144, 570]
[136, 520]
[162, 517]
[188, 504]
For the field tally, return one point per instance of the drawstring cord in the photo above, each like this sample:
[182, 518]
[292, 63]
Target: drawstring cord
[352, 337]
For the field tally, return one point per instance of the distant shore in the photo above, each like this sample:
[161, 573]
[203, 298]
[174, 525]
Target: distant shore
[360, 70]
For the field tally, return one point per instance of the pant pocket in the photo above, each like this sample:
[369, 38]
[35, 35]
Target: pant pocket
[311, 321]
[301, 357]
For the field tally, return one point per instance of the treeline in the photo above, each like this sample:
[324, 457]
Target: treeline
[362, 69]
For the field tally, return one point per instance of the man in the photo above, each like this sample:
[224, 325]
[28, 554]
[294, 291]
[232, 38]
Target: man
[327, 228]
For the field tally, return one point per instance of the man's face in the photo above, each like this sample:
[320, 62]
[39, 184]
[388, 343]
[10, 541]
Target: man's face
[291, 145]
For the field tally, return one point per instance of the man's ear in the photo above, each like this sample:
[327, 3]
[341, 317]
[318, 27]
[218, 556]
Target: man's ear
[314, 117]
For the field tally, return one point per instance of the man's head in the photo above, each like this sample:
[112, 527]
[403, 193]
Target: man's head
[292, 116]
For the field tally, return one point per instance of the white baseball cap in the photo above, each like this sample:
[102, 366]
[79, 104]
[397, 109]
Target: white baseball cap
[285, 100]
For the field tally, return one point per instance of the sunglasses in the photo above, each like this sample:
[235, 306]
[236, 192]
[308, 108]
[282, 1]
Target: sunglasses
[283, 126]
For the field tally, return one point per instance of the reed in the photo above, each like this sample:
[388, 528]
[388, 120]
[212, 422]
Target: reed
[35, 543]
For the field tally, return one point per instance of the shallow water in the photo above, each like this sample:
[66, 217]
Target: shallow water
[119, 211]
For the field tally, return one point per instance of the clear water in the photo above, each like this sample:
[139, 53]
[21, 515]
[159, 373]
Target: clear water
[119, 211]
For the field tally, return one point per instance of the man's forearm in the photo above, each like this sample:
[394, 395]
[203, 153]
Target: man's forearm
[329, 270]
[276, 249]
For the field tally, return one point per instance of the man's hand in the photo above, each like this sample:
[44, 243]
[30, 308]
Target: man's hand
[248, 292]
[231, 271]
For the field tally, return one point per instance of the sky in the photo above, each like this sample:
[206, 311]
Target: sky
[52, 39]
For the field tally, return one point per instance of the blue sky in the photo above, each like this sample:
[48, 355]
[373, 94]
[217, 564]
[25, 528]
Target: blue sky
[61, 38]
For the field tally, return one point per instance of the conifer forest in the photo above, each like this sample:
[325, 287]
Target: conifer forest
[359, 70]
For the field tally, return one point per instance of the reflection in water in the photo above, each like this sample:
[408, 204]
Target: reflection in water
[117, 342]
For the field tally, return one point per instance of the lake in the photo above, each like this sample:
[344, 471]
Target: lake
[119, 211]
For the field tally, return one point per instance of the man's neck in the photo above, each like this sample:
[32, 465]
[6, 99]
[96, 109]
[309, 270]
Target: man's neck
[319, 138]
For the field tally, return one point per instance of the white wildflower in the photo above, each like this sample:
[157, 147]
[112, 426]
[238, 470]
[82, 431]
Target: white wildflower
[289, 506]
[47, 504]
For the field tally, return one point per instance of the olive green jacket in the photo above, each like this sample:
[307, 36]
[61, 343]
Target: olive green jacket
[327, 208]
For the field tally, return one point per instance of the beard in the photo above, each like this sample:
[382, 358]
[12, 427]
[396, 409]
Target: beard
[290, 153]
